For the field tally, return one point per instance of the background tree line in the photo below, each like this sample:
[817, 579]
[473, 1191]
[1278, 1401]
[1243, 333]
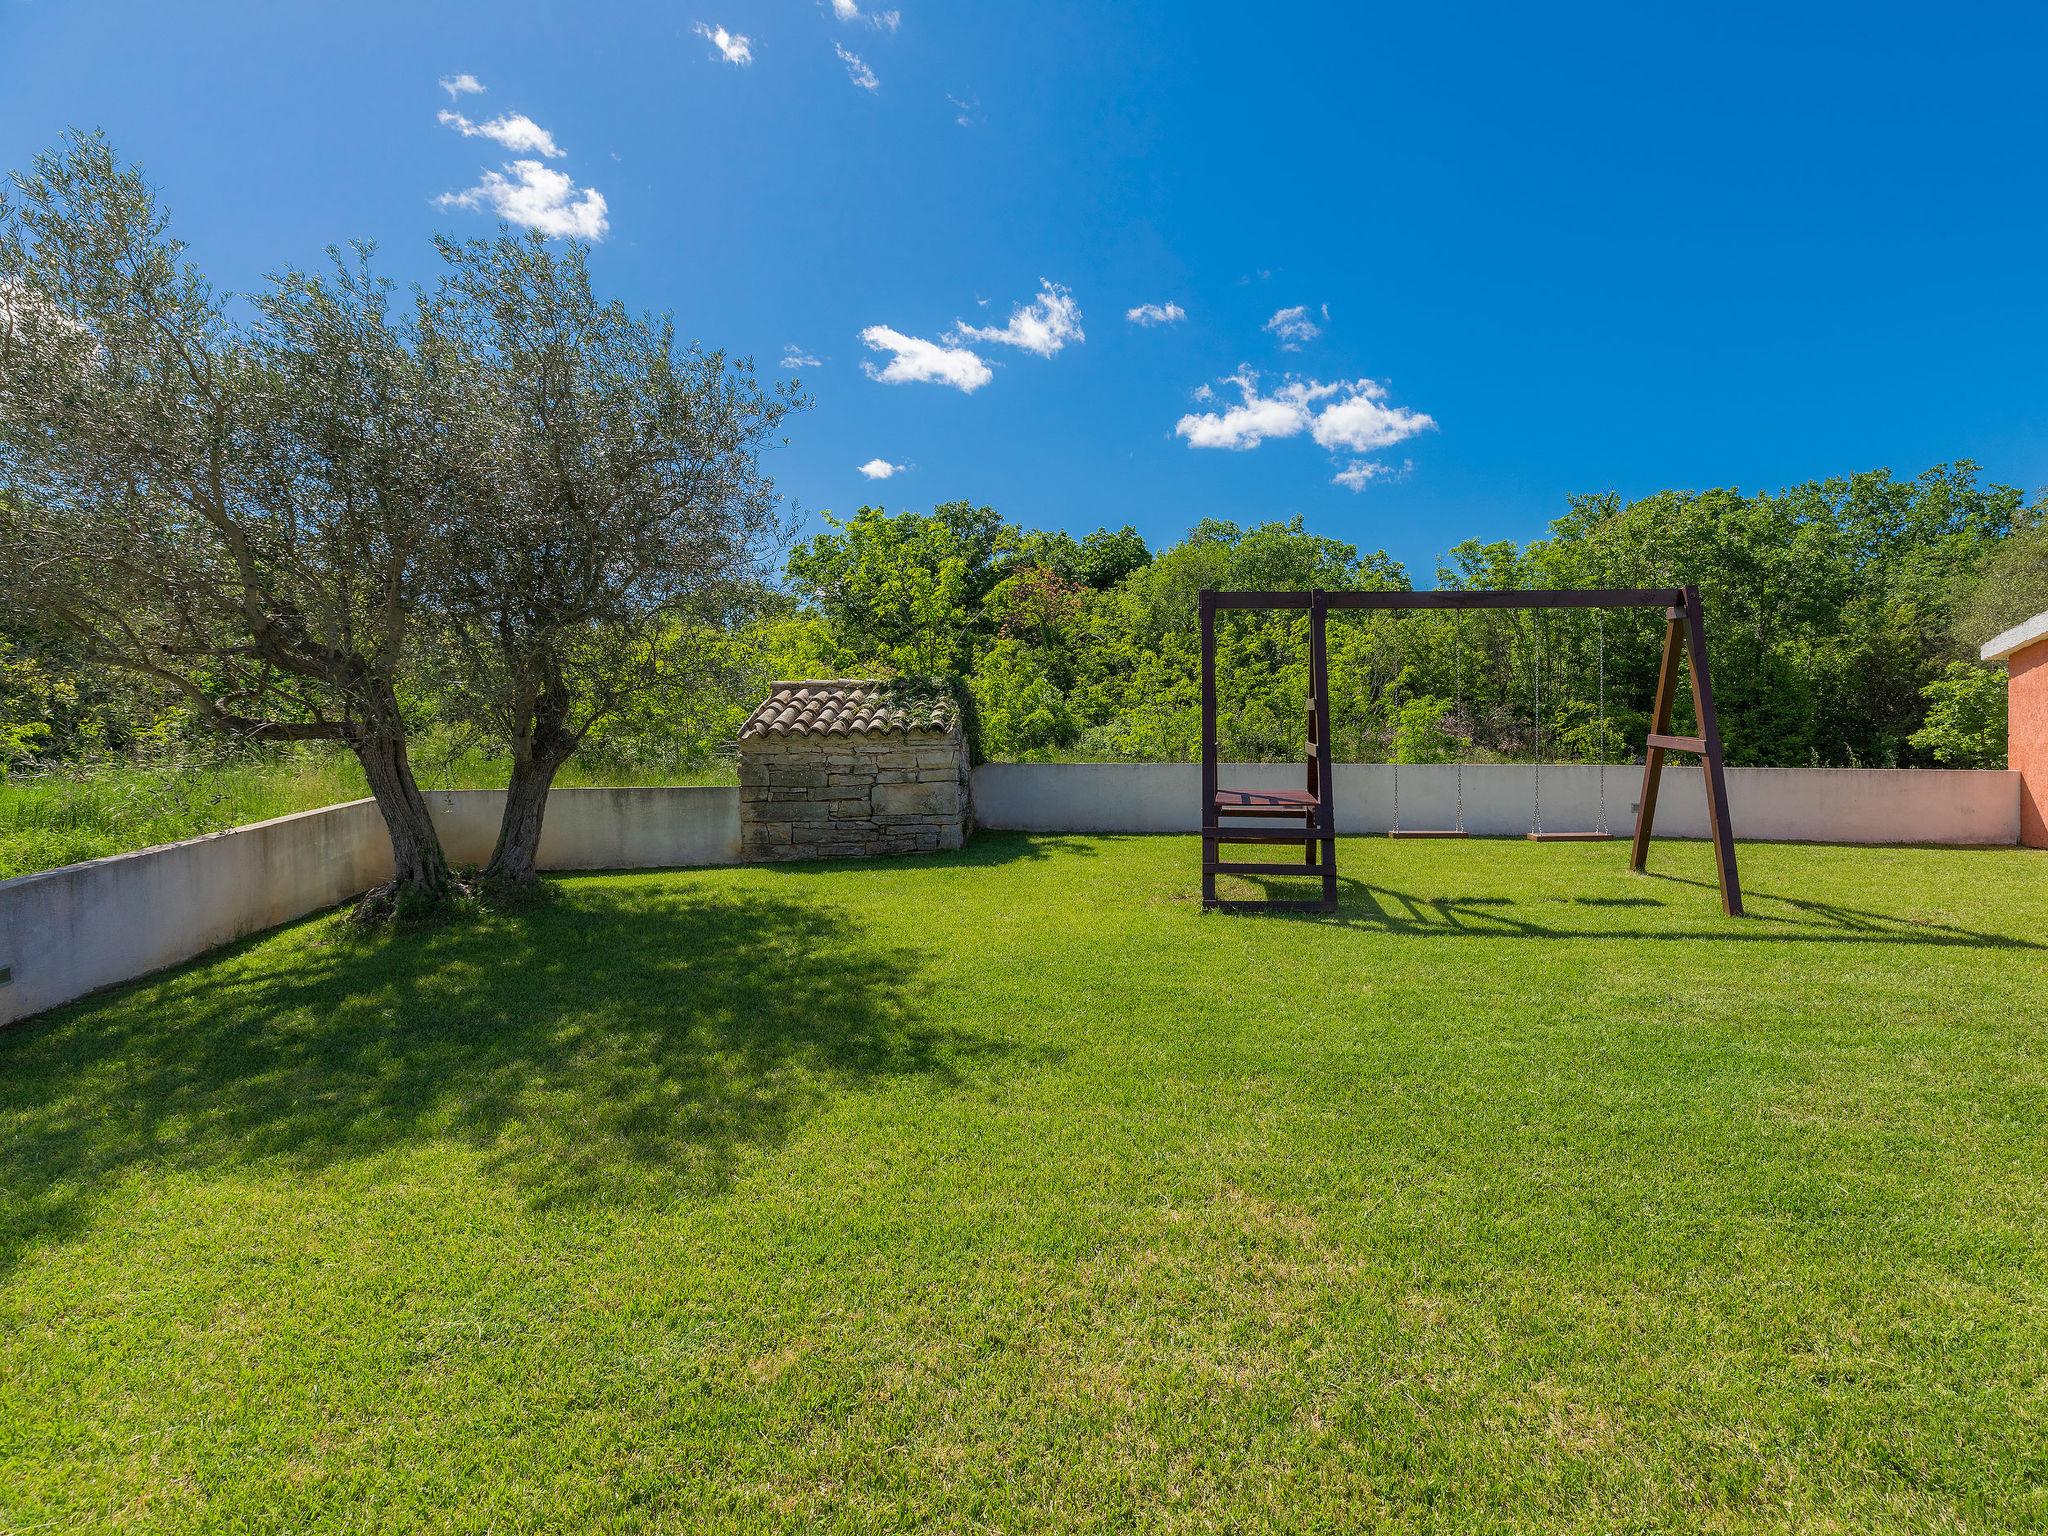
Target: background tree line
[1843, 617]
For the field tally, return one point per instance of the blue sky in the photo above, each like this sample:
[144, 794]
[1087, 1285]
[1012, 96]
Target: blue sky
[1540, 249]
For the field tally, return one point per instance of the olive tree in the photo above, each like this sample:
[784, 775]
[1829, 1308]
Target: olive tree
[604, 500]
[228, 503]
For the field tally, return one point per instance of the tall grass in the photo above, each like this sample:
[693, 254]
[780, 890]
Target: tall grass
[63, 816]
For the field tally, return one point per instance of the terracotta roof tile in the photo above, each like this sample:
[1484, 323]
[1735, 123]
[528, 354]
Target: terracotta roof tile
[848, 707]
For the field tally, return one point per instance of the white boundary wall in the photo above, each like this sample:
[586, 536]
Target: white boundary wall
[670, 828]
[1819, 805]
[67, 932]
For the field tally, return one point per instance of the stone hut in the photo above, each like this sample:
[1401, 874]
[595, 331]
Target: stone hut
[845, 768]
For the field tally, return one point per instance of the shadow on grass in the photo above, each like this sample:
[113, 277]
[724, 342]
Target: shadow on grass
[621, 1042]
[1772, 918]
[984, 850]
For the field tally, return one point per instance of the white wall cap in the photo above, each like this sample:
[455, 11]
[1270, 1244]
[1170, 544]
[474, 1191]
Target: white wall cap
[2018, 638]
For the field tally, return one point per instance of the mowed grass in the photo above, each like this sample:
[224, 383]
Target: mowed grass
[1009, 1191]
[66, 816]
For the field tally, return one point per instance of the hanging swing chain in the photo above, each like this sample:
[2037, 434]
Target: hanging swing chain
[1536, 800]
[1458, 697]
[1600, 632]
[1394, 729]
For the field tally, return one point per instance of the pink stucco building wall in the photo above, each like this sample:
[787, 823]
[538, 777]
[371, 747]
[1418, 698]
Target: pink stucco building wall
[2024, 650]
[2027, 738]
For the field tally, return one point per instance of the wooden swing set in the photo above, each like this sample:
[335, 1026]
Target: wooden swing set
[1225, 811]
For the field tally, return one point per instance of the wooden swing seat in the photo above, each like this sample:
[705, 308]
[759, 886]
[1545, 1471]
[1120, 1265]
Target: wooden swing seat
[1570, 837]
[1266, 802]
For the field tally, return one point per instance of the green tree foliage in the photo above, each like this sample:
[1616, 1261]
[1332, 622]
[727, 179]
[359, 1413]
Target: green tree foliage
[1107, 558]
[30, 699]
[1831, 607]
[1966, 721]
[224, 501]
[604, 512]
[907, 590]
[2011, 589]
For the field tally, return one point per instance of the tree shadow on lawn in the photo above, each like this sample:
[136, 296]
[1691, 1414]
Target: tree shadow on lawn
[984, 850]
[618, 1042]
[1772, 918]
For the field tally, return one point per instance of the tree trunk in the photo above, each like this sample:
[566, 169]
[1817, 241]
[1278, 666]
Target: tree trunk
[420, 868]
[514, 861]
[537, 755]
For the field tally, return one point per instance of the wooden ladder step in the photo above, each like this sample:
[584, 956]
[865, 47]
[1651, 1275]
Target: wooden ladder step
[1305, 871]
[1254, 835]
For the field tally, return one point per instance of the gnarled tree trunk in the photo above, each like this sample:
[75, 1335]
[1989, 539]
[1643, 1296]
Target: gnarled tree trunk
[537, 755]
[420, 871]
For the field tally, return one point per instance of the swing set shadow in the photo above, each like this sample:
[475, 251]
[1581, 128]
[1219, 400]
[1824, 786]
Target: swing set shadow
[1225, 811]
[1366, 907]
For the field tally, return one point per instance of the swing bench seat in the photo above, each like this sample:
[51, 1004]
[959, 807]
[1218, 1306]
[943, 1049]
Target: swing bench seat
[1570, 837]
[1267, 802]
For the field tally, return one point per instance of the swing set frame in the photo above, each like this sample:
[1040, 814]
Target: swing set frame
[1225, 810]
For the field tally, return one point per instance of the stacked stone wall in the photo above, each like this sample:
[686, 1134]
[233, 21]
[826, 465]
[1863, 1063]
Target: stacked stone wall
[805, 796]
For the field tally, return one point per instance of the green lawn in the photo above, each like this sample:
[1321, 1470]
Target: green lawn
[68, 815]
[1009, 1191]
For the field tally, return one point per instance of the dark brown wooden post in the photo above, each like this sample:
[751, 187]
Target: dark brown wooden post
[1653, 757]
[1718, 820]
[1209, 816]
[1312, 735]
[1325, 790]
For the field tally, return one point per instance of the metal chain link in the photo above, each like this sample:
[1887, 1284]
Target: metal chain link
[1458, 693]
[1394, 741]
[1536, 802]
[1600, 622]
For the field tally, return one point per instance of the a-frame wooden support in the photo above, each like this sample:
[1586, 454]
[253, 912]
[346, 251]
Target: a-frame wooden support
[1684, 626]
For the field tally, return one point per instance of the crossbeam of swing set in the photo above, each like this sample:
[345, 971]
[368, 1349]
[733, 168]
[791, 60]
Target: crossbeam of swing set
[1684, 634]
[1614, 597]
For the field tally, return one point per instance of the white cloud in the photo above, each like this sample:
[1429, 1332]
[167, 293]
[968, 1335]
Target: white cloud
[735, 48]
[536, 197]
[515, 130]
[1364, 421]
[1155, 314]
[917, 361]
[794, 356]
[1356, 477]
[1356, 419]
[856, 71]
[964, 111]
[1256, 417]
[1293, 326]
[881, 21]
[880, 469]
[461, 85]
[1044, 325]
